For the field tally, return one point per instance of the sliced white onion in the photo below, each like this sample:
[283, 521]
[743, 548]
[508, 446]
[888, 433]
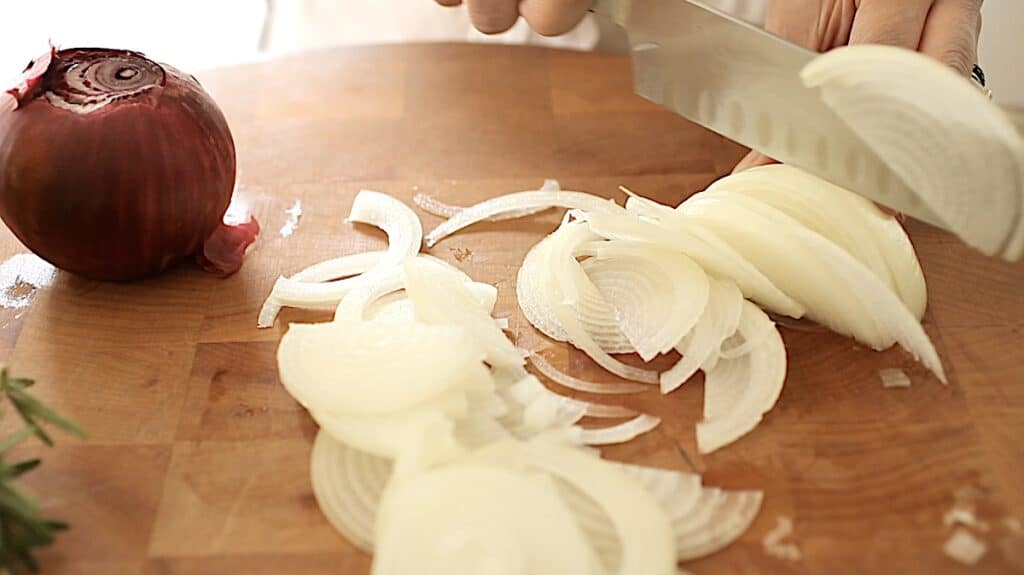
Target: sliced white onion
[337, 269]
[436, 207]
[562, 292]
[850, 221]
[545, 368]
[738, 392]
[520, 202]
[350, 368]
[348, 485]
[405, 236]
[886, 96]
[884, 307]
[720, 319]
[440, 299]
[593, 311]
[468, 519]
[704, 520]
[643, 528]
[393, 307]
[371, 288]
[657, 294]
[838, 290]
[717, 258]
[622, 432]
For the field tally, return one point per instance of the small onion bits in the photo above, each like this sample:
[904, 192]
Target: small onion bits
[116, 167]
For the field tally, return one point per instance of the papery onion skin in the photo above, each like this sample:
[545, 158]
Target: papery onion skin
[115, 167]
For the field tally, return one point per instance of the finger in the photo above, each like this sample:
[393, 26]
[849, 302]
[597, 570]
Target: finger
[810, 24]
[951, 33]
[553, 17]
[754, 159]
[493, 16]
[891, 23]
[449, 2]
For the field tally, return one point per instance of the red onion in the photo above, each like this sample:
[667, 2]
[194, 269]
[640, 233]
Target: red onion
[115, 167]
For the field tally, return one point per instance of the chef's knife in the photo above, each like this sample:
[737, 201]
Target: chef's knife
[744, 83]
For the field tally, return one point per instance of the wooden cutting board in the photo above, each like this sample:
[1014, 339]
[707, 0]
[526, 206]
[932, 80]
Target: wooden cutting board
[197, 460]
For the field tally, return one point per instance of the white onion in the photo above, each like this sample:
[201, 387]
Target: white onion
[449, 520]
[720, 319]
[349, 367]
[549, 371]
[347, 485]
[738, 392]
[658, 295]
[887, 96]
[405, 236]
[436, 207]
[718, 259]
[562, 291]
[520, 202]
[622, 432]
[848, 220]
[337, 269]
[441, 299]
[644, 529]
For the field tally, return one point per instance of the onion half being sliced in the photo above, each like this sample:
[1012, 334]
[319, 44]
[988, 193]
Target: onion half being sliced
[886, 95]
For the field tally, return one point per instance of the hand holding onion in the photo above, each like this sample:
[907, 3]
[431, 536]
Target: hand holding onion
[115, 167]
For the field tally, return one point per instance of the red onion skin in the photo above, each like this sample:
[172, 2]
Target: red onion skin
[121, 192]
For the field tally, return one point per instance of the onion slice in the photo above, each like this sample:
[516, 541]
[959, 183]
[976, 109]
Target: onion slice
[441, 299]
[738, 392]
[448, 520]
[405, 236]
[657, 294]
[520, 202]
[545, 368]
[436, 207]
[563, 290]
[349, 368]
[592, 310]
[348, 485]
[720, 319]
[643, 527]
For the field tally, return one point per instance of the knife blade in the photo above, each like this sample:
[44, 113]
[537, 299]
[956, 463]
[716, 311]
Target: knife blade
[744, 83]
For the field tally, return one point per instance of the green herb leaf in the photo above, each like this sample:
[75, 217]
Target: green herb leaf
[22, 529]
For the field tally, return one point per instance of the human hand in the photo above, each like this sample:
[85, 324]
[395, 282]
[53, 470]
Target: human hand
[546, 17]
[947, 30]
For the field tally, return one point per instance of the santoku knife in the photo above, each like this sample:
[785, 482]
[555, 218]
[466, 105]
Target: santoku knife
[744, 83]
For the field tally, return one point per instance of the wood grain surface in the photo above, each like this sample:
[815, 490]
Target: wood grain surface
[197, 460]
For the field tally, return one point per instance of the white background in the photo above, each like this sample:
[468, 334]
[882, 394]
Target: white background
[200, 34]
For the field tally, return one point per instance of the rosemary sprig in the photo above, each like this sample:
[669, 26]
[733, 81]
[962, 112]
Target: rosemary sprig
[22, 529]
